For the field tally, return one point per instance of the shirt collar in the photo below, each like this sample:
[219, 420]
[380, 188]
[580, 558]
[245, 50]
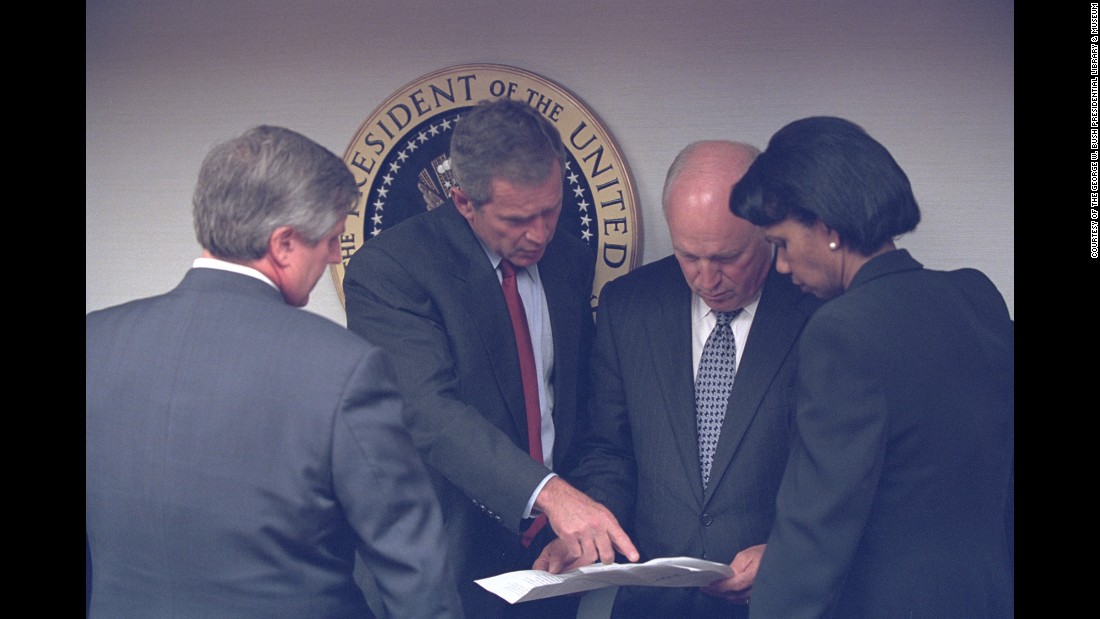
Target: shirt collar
[700, 310]
[222, 265]
[495, 258]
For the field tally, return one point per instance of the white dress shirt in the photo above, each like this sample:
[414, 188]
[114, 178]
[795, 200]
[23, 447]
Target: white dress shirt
[703, 320]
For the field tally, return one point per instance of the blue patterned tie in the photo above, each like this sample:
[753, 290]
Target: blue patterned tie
[712, 388]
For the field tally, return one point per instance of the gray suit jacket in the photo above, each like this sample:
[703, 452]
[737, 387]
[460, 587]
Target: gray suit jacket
[643, 461]
[239, 451]
[425, 291]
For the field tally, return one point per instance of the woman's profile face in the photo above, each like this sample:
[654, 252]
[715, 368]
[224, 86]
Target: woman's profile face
[804, 252]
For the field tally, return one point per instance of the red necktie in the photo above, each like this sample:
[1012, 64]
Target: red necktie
[529, 376]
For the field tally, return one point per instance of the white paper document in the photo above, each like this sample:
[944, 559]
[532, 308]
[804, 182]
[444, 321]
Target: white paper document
[526, 585]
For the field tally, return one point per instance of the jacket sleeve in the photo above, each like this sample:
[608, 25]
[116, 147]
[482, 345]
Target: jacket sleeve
[389, 306]
[832, 475]
[385, 491]
[607, 471]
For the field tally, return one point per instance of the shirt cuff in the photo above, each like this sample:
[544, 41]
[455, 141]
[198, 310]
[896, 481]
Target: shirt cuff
[531, 503]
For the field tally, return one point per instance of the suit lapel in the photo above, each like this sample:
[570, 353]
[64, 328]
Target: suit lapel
[668, 330]
[560, 298]
[775, 327]
[484, 301]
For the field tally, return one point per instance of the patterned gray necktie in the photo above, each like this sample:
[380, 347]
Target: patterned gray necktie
[712, 388]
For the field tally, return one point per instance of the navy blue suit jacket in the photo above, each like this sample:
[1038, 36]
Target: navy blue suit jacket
[643, 461]
[893, 503]
[426, 292]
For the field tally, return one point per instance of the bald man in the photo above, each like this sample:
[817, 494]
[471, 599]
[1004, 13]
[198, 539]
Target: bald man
[689, 482]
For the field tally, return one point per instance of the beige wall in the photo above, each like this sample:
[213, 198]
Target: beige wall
[933, 81]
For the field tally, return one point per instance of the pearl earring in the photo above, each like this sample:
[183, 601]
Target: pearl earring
[832, 245]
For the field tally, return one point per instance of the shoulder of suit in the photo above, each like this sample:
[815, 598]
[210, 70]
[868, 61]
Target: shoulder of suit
[663, 274]
[326, 333]
[981, 290]
[972, 277]
[568, 248]
[653, 272]
[417, 239]
[415, 227]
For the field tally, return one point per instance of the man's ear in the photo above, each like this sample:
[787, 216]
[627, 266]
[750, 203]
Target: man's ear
[281, 245]
[462, 202]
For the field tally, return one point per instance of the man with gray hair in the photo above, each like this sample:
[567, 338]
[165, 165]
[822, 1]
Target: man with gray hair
[486, 312]
[241, 452]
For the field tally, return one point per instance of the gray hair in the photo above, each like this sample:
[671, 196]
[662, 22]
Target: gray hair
[503, 139]
[267, 178]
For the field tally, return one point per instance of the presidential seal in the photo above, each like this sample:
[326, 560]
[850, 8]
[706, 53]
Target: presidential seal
[400, 159]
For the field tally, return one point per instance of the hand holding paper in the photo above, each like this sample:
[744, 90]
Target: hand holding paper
[738, 587]
[556, 558]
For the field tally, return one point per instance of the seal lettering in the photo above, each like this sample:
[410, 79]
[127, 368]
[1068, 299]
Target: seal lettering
[399, 157]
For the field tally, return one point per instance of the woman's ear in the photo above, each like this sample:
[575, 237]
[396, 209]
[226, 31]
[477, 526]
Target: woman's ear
[832, 237]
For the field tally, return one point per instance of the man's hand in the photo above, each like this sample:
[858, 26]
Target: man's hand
[555, 558]
[587, 531]
[737, 588]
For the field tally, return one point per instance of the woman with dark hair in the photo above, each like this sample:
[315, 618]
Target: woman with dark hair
[896, 495]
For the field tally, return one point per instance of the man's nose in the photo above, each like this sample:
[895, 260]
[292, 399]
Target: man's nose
[708, 275]
[538, 232]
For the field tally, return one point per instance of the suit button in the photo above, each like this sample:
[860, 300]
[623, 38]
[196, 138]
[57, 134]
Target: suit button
[707, 519]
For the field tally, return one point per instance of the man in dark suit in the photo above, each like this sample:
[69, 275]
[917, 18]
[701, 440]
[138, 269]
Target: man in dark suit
[644, 461]
[240, 451]
[431, 290]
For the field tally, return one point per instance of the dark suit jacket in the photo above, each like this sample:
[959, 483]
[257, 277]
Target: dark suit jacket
[238, 452]
[425, 291]
[644, 460]
[893, 502]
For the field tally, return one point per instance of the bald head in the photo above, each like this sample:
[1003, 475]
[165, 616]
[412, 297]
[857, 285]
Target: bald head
[724, 258]
[709, 165]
